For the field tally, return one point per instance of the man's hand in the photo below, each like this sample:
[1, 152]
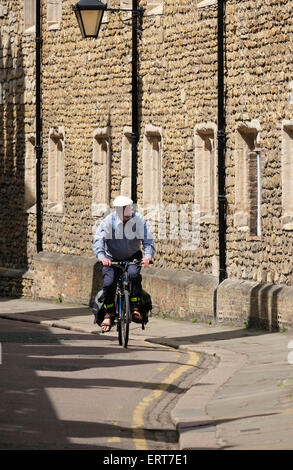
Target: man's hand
[106, 261]
[145, 262]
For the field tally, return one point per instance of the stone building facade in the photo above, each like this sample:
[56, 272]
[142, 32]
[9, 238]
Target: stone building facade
[86, 113]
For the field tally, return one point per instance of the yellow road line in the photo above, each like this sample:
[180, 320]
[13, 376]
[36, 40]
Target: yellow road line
[138, 415]
[114, 439]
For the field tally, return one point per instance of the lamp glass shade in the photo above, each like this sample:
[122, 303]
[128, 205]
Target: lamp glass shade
[89, 15]
[91, 21]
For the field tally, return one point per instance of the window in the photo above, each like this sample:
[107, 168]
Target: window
[101, 171]
[254, 191]
[248, 170]
[29, 7]
[152, 166]
[126, 162]
[287, 175]
[56, 170]
[205, 171]
[53, 14]
[30, 172]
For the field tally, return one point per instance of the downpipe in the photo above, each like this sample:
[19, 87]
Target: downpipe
[38, 140]
[221, 135]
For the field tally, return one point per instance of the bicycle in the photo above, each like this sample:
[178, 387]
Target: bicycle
[123, 315]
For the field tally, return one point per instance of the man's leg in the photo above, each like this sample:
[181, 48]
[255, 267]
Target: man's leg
[134, 278]
[110, 276]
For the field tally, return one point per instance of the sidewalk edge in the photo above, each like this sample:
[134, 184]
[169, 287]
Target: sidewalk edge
[196, 428]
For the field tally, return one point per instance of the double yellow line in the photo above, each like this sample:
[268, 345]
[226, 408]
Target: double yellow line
[138, 415]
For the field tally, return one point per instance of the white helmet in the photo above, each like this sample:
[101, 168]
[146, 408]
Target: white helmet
[122, 201]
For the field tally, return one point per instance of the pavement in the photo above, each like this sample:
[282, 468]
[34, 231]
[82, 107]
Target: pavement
[245, 402]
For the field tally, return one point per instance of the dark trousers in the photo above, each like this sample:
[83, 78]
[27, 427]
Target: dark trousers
[111, 275]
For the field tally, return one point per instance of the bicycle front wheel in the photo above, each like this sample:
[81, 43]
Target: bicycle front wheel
[124, 319]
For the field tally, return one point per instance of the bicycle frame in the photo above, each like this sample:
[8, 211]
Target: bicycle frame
[121, 286]
[123, 314]
[122, 301]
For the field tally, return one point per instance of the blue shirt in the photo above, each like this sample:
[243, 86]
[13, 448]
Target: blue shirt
[115, 240]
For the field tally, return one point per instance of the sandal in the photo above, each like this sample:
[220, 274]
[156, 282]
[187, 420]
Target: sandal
[107, 323]
[136, 316]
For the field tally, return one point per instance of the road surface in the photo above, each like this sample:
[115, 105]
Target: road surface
[67, 390]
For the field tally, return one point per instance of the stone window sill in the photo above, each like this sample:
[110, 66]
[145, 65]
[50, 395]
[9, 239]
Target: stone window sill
[207, 3]
[55, 208]
[242, 228]
[209, 219]
[32, 209]
[254, 238]
[100, 210]
[288, 226]
[287, 222]
[30, 30]
[54, 26]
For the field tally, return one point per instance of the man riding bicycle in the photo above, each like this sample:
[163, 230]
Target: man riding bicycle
[119, 238]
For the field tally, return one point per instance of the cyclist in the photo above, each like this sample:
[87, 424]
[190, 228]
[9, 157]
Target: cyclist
[118, 238]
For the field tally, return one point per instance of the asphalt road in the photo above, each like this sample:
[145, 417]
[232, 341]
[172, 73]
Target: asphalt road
[67, 390]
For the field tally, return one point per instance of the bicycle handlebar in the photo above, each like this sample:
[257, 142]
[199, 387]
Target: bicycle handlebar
[120, 264]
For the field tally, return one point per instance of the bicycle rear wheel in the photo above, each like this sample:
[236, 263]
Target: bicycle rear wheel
[124, 319]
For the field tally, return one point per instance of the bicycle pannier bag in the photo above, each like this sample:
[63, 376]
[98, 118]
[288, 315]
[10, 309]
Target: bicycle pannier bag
[146, 304]
[98, 308]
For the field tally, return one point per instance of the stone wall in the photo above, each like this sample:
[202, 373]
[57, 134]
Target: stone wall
[86, 85]
[16, 282]
[197, 297]
[66, 278]
[17, 116]
[259, 72]
[180, 294]
[183, 295]
[256, 304]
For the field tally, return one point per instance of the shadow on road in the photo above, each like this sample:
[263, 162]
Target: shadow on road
[37, 363]
[213, 336]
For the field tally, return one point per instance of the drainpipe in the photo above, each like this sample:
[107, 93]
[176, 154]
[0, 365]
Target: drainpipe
[222, 203]
[38, 141]
[134, 95]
